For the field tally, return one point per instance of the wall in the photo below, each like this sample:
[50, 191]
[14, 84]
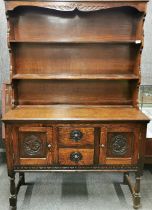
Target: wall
[146, 69]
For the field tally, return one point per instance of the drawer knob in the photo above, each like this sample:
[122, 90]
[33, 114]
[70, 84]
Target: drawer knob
[49, 146]
[75, 156]
[76, 135]
[102, 145]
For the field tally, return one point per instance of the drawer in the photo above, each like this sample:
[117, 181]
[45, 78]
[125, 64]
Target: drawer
[75, 136]
[68, 156]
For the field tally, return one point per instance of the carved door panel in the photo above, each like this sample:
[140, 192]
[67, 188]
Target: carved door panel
[33, 146]
[119, 144]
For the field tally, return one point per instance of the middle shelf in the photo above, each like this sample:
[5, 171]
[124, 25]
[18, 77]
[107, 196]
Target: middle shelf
[77, 41]
[77, 77]
[72, 60]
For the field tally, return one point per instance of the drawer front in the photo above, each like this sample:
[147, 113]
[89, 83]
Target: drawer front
[119, 144]
[68, 156]
[76, 136]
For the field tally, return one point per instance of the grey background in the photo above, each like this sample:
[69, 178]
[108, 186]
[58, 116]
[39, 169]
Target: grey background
[146, 56]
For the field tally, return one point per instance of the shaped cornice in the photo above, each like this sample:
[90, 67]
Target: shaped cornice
[81, 6]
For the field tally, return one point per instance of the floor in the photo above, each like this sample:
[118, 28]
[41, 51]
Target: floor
[75, 191]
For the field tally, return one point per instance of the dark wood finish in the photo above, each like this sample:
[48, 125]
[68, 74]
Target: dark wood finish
[6, 102]
[44, 92]
[13, 193]
[75, 75]
[50, 27]
[75, 59]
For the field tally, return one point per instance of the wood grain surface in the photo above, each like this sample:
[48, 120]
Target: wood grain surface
[65, 138]
[75, 113]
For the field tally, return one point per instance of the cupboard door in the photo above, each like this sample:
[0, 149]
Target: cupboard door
[33, 146]
[119, 144]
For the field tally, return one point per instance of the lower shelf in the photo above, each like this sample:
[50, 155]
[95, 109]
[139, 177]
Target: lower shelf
[77, 77]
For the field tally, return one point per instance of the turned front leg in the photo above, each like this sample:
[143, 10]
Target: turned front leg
[13, 196]
[136, 194]
[134, 189]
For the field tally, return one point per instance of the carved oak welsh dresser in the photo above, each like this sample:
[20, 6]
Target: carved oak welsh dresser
[75, 75]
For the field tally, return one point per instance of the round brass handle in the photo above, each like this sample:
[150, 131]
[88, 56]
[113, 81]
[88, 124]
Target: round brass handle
[102, 145]
[75, 157]
[76, 135]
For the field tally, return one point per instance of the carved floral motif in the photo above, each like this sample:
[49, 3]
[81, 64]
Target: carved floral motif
[119, 145]
[32, 144]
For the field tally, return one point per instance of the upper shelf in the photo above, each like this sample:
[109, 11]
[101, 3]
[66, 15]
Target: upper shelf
[102, 41]
[77, 77]
[33, 24]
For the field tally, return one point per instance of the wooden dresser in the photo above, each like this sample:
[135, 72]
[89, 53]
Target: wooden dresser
[75, 75]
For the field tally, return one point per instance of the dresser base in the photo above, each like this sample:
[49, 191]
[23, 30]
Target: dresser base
[109, 144]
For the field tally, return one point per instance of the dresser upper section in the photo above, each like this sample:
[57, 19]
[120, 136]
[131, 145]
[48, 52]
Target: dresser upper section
[75, 52]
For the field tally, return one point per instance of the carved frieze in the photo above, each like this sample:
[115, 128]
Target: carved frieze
[81, 6]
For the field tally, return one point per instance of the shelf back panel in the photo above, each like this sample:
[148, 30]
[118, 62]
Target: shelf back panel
[45, 92]
[32, 23]
[75, 59]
